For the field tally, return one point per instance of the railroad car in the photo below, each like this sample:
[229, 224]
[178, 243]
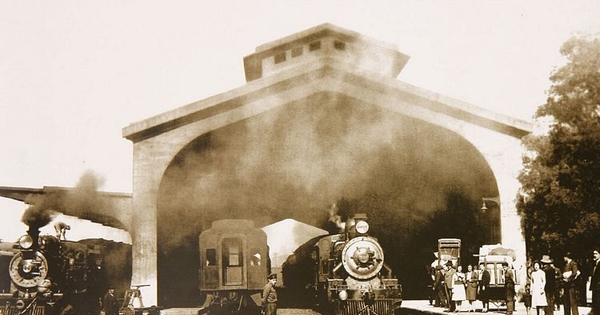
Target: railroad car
[234, 265]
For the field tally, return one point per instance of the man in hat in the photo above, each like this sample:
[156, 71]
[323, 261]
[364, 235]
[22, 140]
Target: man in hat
[509, 284]
[570, 277]
[551, 287]
[109, 302]
[269, 296]
[449, 282]
[439, 287]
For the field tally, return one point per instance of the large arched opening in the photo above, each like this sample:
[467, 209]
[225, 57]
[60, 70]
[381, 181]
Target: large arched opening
[418, 182]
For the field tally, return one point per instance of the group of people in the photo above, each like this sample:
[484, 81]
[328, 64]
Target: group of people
[452, 287]
[544, 286]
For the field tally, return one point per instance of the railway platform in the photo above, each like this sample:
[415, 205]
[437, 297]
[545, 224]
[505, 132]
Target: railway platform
[409, 307]
[422, 307]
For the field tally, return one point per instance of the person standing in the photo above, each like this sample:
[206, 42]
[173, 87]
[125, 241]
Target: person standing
[538, 288]
[438, 284]
[449, 281]
[595, 283]
[97, 283]
[458, 289]
[432, 293]
[484, 282]
[551, 287]
[269, 296]
[526, 298]
[570, 277]
[472, 279]
[509, 285]
[109, 303]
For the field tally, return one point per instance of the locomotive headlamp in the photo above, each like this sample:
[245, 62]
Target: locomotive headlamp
[362, 227]
[343, 295]
[26, 241]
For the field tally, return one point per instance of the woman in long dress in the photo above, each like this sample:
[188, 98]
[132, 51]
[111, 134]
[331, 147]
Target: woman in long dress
[472, 279]
[458, 290]
[538, 283]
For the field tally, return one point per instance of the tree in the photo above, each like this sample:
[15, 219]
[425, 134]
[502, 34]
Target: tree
[559, 202]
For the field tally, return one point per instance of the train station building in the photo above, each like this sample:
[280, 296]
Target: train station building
[305, 94]
[322, 123]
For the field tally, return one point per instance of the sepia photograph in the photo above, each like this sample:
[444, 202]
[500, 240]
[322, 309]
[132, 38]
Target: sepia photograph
[299, 157]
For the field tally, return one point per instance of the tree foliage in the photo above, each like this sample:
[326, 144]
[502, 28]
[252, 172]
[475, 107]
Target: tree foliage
[560, 199]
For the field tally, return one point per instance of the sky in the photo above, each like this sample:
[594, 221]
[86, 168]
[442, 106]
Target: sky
[74, 73]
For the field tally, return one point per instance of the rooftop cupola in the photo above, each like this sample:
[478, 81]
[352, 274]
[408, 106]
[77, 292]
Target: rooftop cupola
[327, 44]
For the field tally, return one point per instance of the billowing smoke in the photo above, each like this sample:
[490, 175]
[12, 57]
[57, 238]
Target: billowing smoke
[299, 159]
[40, 212]
[83, 201]
[336, 219]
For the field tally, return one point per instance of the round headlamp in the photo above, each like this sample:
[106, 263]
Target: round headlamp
[26, 241]
[362, 227]
[343, 295]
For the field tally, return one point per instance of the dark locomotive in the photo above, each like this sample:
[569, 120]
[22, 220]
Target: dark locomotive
[342, 274]
[346, 271]
[234, 266]
[49, 275]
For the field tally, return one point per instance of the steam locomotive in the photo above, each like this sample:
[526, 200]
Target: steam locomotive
[51, 276]
[234, 266]
[347, 272]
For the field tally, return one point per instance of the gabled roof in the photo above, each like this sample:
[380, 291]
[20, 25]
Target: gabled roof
[343, 63]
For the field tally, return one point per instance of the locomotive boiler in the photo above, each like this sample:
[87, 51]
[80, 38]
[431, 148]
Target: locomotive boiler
[234, 264]
[350, 276]
[49, 275]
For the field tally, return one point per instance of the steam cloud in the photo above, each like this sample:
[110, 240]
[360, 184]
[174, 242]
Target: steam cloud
[295, 162]
[83, 201]
[416, 182]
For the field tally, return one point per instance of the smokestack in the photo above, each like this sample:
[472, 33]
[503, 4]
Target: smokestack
[34, 232]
